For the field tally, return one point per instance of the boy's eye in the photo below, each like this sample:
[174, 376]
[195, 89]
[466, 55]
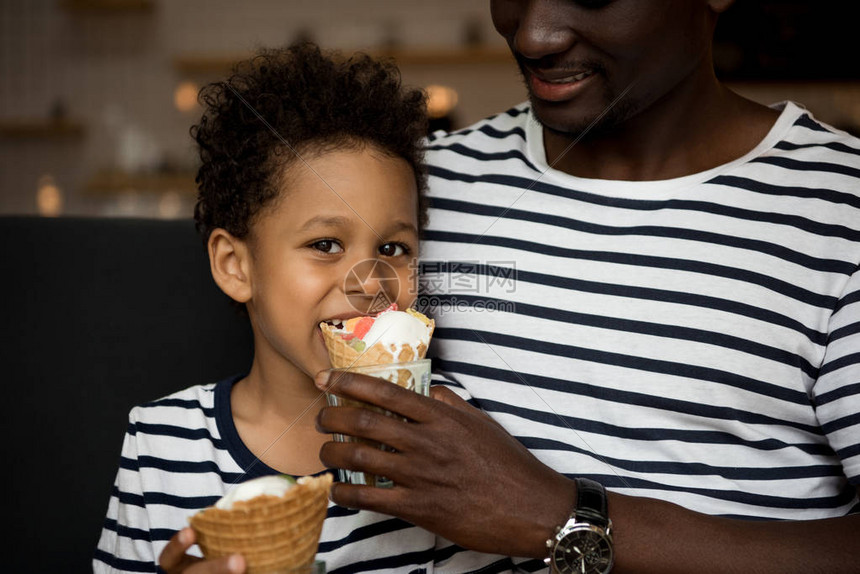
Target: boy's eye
[327, 246]
[393, 249]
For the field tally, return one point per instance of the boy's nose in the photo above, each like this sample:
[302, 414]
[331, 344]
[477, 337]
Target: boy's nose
[371, 283]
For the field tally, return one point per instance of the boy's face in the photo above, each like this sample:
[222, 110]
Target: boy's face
[313, 253]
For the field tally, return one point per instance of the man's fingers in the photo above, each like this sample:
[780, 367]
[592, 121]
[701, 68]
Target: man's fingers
[452, 399]
[449, 397]
[358, 456]
[373, 391]
[366, 497]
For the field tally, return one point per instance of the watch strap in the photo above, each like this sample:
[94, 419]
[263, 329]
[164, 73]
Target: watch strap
[591, 504]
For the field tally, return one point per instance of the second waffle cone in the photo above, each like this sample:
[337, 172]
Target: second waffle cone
[273, 534]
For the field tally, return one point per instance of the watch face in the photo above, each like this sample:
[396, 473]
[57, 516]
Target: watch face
[583, 550]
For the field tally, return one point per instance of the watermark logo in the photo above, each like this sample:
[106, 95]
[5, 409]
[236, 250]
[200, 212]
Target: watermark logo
[466, 286]
[371, 286]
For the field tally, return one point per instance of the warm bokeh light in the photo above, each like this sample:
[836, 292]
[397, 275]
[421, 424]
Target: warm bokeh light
[49, 197]
[440, 100]
[185, 96]
[169, 205]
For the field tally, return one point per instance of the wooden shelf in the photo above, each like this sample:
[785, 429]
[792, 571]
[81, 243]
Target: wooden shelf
[115, 182]
[222, 64]
[40, 129]
[108, 5]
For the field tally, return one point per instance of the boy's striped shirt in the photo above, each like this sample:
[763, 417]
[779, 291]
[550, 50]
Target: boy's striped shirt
[182, 453]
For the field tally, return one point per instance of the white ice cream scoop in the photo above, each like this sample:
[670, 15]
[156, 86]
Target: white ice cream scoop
[398, 328]
[275, 485]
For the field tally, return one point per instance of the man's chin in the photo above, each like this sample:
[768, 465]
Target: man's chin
[572, 123]
[559, 120]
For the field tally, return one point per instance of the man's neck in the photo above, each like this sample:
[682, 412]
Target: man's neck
[694, 129]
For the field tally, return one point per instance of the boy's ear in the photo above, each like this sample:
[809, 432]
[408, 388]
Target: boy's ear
[229, 260]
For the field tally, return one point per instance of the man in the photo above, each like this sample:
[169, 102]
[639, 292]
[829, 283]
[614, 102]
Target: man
[674, 273]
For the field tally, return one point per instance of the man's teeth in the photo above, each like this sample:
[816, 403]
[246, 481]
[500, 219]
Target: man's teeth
[335, 322]
[570, 79]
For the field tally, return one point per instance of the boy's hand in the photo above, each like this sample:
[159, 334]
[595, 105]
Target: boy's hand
[173, 558]
[456, 472]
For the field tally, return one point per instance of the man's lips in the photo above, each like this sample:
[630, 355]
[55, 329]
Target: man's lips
[556, 86]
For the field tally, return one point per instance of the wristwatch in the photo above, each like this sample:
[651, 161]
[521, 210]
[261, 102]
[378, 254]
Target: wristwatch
[584, 544]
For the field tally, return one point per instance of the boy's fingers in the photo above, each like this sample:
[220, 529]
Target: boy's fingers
[173, 558]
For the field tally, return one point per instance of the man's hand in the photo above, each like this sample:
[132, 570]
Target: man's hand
[173, 558]
[456, 472]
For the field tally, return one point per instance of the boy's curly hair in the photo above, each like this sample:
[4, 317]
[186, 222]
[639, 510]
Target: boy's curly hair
[297, 100]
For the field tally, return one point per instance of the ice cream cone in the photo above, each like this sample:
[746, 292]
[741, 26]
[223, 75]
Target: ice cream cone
[273, 533]
[343, 356]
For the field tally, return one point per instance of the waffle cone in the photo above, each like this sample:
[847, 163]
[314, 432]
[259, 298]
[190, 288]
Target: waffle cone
[274, 534]
[343, 356]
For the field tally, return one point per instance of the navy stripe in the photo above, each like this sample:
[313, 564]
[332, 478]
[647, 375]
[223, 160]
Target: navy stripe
[189, 467]
[848, 299]
[190, 404]
[365, 533]
[631, 398]
[649, 365]
[123, 564]
[627, 325]
[821, 194]
[846, 361]
[156, 534]
[773, 249]
[806, 121]
[848, 452]
[643, 293]
[840, 393]
[489, 131]
[126, 531]
[523, 184]
[184, 502]
[762, 500]
[841, 423]
[173, 431]
[692, 468]
[388, 563]
[847, 330]
[515, 111]
[798, 165]
[503, 565]
[532, 565]
[487, 156]
[835, 146]
[128, 498]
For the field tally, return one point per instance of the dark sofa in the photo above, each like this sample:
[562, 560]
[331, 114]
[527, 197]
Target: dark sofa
[97, 315]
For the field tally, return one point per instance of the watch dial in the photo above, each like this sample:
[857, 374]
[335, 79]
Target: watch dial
[583, 551]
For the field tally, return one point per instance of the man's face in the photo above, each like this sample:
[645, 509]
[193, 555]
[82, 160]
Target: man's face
[603, 61]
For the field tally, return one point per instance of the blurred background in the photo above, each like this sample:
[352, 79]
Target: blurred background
[97, 96]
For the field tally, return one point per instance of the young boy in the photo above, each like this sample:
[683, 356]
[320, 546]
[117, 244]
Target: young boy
[311, 168]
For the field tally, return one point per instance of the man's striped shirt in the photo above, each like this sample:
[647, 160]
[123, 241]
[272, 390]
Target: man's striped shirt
[695, 340]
